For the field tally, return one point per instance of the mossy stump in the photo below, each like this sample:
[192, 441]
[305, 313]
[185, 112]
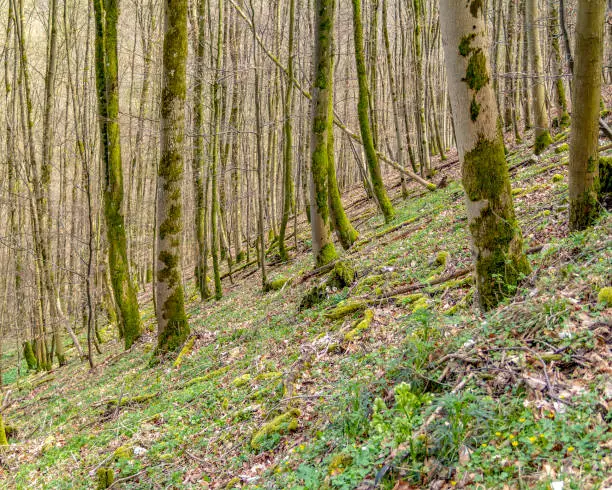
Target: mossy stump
[342, 275]
[313, 296]
[346, 308]
[360, 326]
[276, 284]
[28, 354]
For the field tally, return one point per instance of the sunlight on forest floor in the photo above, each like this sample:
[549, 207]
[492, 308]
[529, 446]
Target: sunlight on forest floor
[428, 393]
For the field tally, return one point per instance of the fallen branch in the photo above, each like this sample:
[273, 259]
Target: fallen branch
[416, 287]
[238, 269]
[319, 271]
[605, 128]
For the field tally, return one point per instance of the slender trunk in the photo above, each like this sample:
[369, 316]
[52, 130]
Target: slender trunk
[540, 115]
[172, 324]
[562, 119]
[197, 161]
[364, 122]
[288, 200]
[214, 208]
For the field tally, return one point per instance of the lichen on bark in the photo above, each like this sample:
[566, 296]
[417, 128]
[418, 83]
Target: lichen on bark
[173, 327]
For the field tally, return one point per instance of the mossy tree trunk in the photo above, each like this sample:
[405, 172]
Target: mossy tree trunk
[540, 114]
[364, 122]
[107, 84]
[172, 325]
[3, 439]
[322, 245]
[584, 161]
[509, 85]
[261, 238]
[288, 191]
[197, 162]
[237, 108]
[497, 245]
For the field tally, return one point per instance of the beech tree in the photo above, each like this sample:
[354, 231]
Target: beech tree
[364, 119]
[584, 138]
[107, 83]
[497, 244]
[172, 324]
[540, 113]
[322, 245]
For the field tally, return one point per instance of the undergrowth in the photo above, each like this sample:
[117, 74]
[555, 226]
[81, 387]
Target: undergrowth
[429, 393]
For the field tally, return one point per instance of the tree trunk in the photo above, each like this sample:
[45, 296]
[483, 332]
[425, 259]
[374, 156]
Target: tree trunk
[172, 325]
[107, 84]
[583, 162]
[540, 115]
[288, 201]
[364, 122]
[197, 161]
[562, 118]
[214, 208]
[497, 245]
[322, 245]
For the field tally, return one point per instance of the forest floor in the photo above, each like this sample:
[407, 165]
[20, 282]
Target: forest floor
[428, 394]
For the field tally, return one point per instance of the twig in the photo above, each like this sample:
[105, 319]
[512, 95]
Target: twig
[126, 478]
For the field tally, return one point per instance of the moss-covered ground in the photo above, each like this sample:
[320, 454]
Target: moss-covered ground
[428, 394]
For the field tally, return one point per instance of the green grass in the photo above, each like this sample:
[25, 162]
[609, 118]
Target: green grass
[364, 403]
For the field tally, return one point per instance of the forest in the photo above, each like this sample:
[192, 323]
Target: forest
[306, 244]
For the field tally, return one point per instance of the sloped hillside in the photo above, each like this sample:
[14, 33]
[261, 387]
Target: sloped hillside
[389, 377]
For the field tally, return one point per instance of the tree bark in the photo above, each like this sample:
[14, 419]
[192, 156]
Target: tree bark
[107, 83]
[540, 115]
[172, 325]
[322, 245]
[364, 122]
[584, 159]
[497, 245]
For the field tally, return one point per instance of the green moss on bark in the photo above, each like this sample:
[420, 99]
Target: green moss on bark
[475, 6]
[28, 354]
[360, 326]
[342, 275]
[347, 235]
[476, 75]
[496, 237]
[485, 174]
[344, 309]
[364, 120]
[584, 209]
[542, 142]
[605, 175]
[3, 439]
[326, 255]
